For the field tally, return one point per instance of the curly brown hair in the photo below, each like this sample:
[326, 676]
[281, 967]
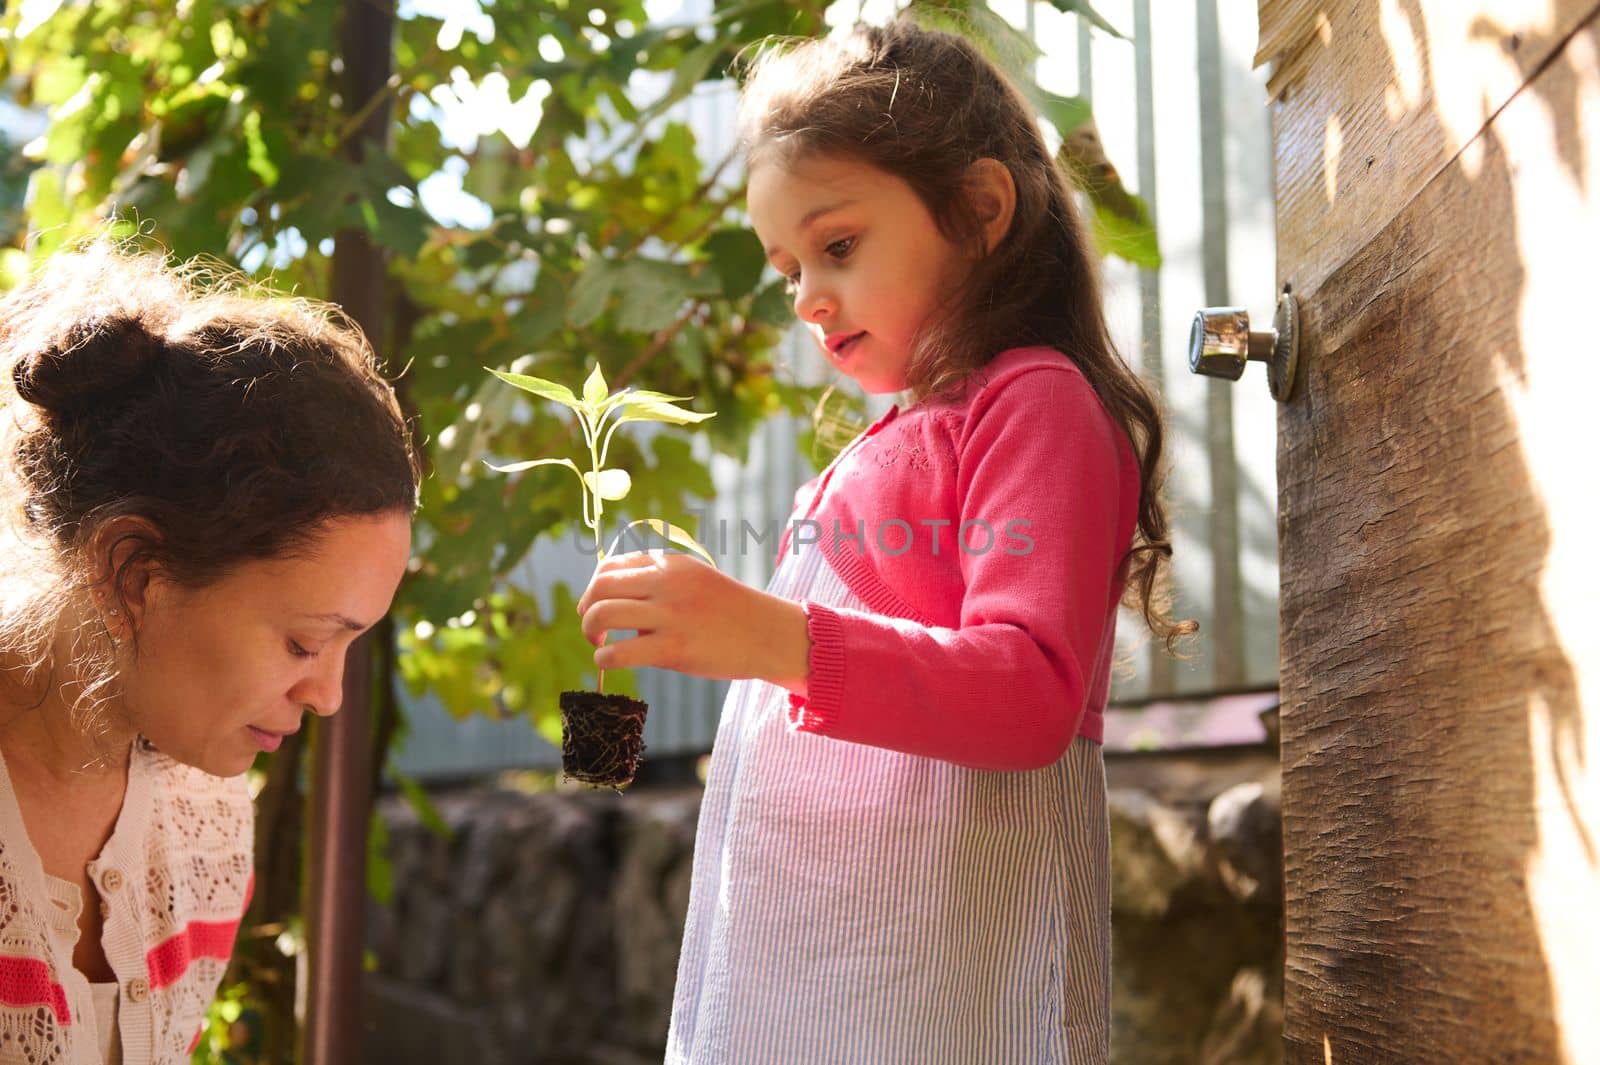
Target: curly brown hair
[233, 426]
[924, 105]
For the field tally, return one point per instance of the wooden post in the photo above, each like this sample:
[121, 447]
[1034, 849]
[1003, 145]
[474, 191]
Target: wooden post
[341, 753]
[1436, 199]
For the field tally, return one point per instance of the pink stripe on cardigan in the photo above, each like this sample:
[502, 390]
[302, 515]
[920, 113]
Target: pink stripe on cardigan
[168, 961]
[25, 982]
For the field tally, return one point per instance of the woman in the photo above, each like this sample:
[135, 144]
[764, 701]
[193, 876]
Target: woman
[205, 498]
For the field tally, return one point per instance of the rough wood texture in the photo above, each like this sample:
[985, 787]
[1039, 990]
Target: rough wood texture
[1375, 98]
[1287, 30]
[1427, 683]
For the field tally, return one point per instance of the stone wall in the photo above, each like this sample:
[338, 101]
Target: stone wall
[545, 931]
[1197, 909]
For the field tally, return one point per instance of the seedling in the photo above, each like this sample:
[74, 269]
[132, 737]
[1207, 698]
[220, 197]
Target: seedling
[602, 735]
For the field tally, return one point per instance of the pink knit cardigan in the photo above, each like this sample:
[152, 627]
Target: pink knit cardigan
[174, 880]
[988, 536]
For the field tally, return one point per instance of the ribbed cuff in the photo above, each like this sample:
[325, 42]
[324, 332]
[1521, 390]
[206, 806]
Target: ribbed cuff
[818, 710]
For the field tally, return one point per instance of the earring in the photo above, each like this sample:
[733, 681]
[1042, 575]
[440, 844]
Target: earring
[114, 612]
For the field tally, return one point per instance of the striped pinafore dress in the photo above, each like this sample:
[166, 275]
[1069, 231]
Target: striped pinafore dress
[859, 906]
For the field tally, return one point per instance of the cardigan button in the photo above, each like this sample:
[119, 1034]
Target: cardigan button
[112, 880]
[138, 989]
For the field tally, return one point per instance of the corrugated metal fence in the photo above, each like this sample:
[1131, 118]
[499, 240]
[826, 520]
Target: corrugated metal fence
[1181, 101]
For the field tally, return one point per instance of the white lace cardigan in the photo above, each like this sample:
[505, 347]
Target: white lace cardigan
[173, 879]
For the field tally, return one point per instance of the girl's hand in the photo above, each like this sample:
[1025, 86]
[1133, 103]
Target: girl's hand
[693, 618]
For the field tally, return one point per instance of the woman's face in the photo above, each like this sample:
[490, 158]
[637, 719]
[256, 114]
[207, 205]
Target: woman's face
[225, 671]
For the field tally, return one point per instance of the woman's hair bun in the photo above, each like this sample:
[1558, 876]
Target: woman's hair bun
[95, 358]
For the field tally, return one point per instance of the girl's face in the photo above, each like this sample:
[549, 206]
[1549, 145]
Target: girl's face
[224, 671]
[867, 265]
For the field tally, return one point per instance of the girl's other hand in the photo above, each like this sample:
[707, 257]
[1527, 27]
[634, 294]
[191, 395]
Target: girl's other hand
[694, 619]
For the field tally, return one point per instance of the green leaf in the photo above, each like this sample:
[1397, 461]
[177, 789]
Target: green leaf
[635, 395]
[651, 410]
[380, 873]
[59, 78]
[404, 230]
[1066, 113]
[738, 258]
[418, 799]
[260, 157]
[518, 467]
[1008, 47]
[656, 292]
[49, 212]
[690, 71]
[594, 389]
[543, 312]
[591, 292]
[611, 484]
[1082, 9]
[773, 305]
[670, 532]
[540, 387]
[1121, 221]
[313, 190]
[1127, 233]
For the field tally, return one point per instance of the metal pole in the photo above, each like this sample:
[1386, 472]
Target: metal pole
[1162, 680]
[341, 752]
[1227, 594]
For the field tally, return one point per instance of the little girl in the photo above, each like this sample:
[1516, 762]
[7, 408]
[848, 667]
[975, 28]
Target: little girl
[903, 848]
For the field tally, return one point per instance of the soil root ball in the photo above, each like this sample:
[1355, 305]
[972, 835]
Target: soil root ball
[602, 737]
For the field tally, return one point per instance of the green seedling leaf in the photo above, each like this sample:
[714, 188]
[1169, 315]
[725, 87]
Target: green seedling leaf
[651, 410]
[594, 389]
[634, 395]
[642, 405]
[518, 467]
[540, 387]
[671, 532]
[611, 484]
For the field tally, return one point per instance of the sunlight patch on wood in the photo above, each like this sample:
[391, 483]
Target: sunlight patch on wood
[1405, 92]
[1476, 61]
[1556, 195]
[1332, 151]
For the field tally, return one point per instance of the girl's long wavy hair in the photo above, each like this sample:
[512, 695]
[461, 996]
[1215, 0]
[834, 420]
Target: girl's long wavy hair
[924, 105]
[231, 426]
